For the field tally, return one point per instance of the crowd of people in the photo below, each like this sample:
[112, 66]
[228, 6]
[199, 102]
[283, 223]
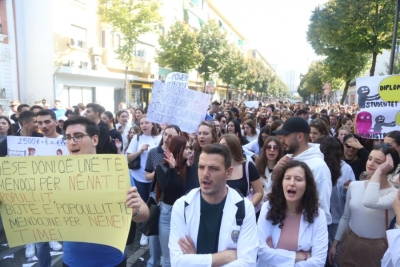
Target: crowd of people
[281, 184]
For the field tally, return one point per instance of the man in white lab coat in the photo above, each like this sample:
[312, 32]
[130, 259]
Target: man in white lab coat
[213, 225]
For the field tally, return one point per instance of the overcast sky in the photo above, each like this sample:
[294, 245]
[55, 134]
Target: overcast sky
[275, 27]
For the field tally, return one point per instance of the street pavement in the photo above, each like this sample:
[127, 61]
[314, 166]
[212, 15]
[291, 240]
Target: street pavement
[137, 256]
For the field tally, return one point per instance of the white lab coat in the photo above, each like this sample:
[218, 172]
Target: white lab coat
[392, 254]
[246, 245]
[312, 237]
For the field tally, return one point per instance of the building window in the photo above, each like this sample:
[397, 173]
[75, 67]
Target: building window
[78, 37]
[72, 95]
[140, 53]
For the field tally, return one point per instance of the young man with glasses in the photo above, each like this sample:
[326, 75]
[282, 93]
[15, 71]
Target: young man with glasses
[82, 136]
[295, 134]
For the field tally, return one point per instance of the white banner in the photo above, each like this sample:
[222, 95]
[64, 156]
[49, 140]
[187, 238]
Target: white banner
[35, 146]
[378, 98]
[178, 79]
[251, 104]
[172, 104]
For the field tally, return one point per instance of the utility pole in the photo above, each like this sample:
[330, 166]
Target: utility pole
[394, 40]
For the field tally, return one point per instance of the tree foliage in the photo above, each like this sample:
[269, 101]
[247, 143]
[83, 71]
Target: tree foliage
[132, 18]
[213, 45]
[362, 27]
[233, 69]
[179, 48]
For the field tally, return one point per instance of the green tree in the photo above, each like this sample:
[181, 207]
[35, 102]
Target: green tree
[132, 18]
[362, 26]
[179, 48]
[232, 71]
[213, 45]
[342, 62]
[396, 65]
[313, 81]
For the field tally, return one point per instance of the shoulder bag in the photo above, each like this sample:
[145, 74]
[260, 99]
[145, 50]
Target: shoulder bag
[250, 192]
[135, 164]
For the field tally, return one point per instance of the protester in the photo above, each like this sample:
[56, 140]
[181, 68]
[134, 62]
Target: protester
[81, 138]
[318, 129]
[222, 122]
[123, 125]
[294, 136]
[234, 128]
[155, 158]
[28, 122]
[253, 149]
[5, 128]
[341, 176]
[271, 153]
[392, 254]
[93, 112]
[244, 175]
[147, 139]
[108, 119]
[367, 213]
[200, 237]
[172, 184]
[355, 154]
[342, 132]
[292, 229]
[249, 130]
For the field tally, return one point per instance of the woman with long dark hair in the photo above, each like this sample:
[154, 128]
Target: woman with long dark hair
[5, 128]
[108, 118]
[291, 227]
[341, 176]
[171, 185]
[245, 175]
[249, 130]
[271, 153]
[367, 213]
[234, 128]
[318, 129]
[355, 154]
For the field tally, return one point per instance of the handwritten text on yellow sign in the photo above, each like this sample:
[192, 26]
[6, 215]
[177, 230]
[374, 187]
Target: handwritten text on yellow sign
[65, 198]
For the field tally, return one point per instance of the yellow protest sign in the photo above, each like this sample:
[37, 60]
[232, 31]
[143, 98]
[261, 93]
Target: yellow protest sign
[65, 198]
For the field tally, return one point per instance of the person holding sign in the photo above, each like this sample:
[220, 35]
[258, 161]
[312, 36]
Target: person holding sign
[81, 136]
[29, 127]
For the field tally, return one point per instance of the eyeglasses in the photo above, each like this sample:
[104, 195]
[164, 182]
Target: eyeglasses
[11, 106]
[315, 121]
[269, 147]
[77, 138]
[223, 121]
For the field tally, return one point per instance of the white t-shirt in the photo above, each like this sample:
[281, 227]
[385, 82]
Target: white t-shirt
[152, 141]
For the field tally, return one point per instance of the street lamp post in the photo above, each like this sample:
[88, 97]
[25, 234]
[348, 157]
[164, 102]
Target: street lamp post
[394, 40]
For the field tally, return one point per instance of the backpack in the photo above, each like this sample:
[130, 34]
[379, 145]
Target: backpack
[240, 213]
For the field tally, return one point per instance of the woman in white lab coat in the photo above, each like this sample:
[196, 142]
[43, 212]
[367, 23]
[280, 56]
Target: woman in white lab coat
[292, 230]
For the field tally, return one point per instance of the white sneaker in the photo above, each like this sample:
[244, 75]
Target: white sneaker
[54, 245]
[30, 250]
[144, 240]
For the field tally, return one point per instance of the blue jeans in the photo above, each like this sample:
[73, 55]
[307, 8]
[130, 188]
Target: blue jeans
[143, 189]
[43, 254]
[155, 252]
[164, 226]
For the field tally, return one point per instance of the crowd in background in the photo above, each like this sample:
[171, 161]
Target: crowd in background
[309, 176]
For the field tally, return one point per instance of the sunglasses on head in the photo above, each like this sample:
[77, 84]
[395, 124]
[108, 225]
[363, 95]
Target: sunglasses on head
[275, 147]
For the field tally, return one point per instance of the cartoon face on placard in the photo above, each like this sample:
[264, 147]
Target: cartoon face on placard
[380, 122]
[364, 122]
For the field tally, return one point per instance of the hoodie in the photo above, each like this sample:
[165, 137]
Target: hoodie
[314, 158]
